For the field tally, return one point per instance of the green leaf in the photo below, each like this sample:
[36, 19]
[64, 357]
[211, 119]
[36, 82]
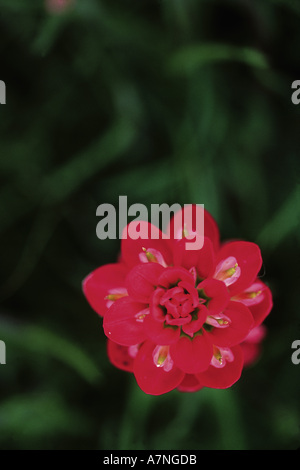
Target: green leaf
[186, 60]
[283, 223]
[42, 341]
[229, 420]
[38, 416]
[63, 182]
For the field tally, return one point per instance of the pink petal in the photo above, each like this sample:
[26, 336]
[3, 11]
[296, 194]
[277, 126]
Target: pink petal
[122, 322]
[190, 383]
[217, 293]
[261, 311]
[197, 322]
[241, 322]
[202, 260]
[192, 355]
[226, 376]
[132, 249]
[172, 275]
[257, 334]
[185, 220]
[142, 280]
[159, 333]
[151, 378]
[119, 356]
[253, 295]
[98, 284]
[248, 259]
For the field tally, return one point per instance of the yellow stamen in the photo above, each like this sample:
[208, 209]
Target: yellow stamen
[150, 257]
[218, 355]
[230, 272]
[114, 296]
[162, 355]
[161, 360]
[252, 295]
[185, 233]
[141, 317]
[222, 322]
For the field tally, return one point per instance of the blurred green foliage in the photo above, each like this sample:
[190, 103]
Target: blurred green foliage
[163, 101]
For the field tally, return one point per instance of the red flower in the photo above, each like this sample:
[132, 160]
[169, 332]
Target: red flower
[181, 318]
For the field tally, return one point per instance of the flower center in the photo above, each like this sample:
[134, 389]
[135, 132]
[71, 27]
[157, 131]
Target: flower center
[179, 301]
[179, 304]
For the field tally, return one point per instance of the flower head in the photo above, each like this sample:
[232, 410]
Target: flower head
[179, 318]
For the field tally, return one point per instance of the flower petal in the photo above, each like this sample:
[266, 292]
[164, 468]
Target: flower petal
[119, 356]
[151, 378]
[98, 284]
[253, 295]
[261, 310]
[142, 280]
[172, 275]
[150, 238]
[122, 323]
[197, 322]
[252, 345]
[190, 383]
[159, 333]
[249, 261]
[217, 293]
[241, 322]
[185, 221]
[226, 376]
[251, 352]
[192, 355]
[203, 260]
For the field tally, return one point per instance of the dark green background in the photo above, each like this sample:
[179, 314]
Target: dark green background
[163, 101]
